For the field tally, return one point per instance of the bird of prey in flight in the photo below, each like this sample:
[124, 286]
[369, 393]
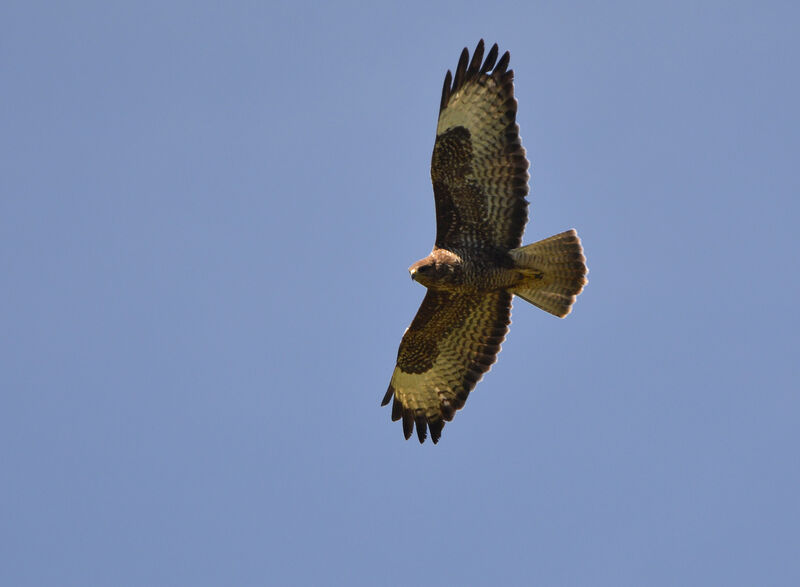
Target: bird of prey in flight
[480, 180]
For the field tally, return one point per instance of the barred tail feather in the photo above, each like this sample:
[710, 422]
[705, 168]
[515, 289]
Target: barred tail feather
[554, 272]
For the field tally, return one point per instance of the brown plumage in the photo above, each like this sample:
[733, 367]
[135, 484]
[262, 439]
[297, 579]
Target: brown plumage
[480, 179]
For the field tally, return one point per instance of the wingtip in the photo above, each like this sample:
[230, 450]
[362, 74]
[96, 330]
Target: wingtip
[469, 68]
[502, 65]
[477, 59]
[436, 430]
[388, 396]
[461, 69]
[397, 410]
[408, 424]
[446, 90]
[491, 58]
[422, 428]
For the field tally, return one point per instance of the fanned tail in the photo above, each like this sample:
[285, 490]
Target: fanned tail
[554, 272]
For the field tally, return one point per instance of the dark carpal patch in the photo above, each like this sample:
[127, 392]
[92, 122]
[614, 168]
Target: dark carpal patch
[439, 314]
[452, 154]
[460, 202]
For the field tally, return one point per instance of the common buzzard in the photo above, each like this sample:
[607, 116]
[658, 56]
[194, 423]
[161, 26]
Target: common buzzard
[480, 180]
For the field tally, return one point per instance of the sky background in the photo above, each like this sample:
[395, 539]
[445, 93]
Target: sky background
[207, 211]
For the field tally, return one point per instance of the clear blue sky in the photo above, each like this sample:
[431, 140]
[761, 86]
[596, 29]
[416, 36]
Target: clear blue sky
[206, 215]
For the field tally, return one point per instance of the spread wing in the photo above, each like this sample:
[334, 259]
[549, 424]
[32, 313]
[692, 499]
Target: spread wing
[479, 169]
[452, 342]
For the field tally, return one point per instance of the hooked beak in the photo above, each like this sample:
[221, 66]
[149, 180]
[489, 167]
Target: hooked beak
[412, 271]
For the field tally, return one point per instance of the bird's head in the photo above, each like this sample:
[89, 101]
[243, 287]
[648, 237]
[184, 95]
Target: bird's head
[435, 269]
[423, 271]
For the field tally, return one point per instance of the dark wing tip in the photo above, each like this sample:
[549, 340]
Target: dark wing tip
[436, 430]
[502, 65]
[467, 69]
[446, 90]
[422, 428]
[418, 420]
[397, 410]
[461, 69]
[408, 423]
[491, 58]
[477, 59]
[388, 396]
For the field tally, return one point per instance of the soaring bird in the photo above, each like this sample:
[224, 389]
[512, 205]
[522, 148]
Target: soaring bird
[480, 180]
